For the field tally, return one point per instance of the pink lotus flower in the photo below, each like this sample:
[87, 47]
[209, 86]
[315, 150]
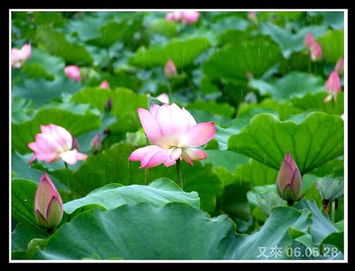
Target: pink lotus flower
[190, 17]
[73, 72]
[333, 85]
[289, 180]
[170, 69]
[18, 57]
[105, 85]
[174, 16]
[48, 206]
[316, 51]
[174, 133]
[55, 142]
[95, 144]
[163, 98]
[339, 67]
[309, 40]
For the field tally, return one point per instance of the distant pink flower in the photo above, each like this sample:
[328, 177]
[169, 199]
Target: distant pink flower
[251, 16]
[174, 16]
[339, 67]
[190, 17]
[18, 57]
[95, 144]
[316, 51]
[333, 86]
[73, 72]
[309, 40]
[174, 133]
[55, 142]
[105, 85]
[48, 205]
[170, 69]
[164, 98]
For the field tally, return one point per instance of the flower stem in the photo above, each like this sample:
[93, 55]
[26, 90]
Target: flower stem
[146, 176]
[179, 173]
[66, 165]
[332, 214]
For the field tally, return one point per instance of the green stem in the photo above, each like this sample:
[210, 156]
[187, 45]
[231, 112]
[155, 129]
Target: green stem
[146, 176]
[169, 88]
[66, 165]
[179, 173]
[332, 213]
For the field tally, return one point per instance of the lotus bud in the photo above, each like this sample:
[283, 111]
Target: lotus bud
[309, 40]
[316, 51]
[108, 105]
[339, 67]
[105, 85]
[73, 72]
[333, 85]
[48, 206]
[289, 180]
[19, 56]
[170, 69]
[95, 144]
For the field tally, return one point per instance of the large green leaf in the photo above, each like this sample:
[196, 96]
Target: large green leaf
[317, 139]
[75, 123]
[227, 159]
[23, 234]
[333, 45]
[57, 44]
[181, 52]
[124, 105]
[40, 90]
[174, 231]
[288, 41]
[235, 61]
[295, 84]
[157, 193]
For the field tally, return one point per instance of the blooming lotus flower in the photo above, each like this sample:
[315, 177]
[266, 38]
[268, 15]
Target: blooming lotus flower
[163, 98]
[174, 133]
[48, 206]
[339, 67]
[55, 142]
[73, 72]
[289, 180]
[105, 85]
[316, 51]
[309, 40]
[190, 17]
[18, 57]
[170, 69]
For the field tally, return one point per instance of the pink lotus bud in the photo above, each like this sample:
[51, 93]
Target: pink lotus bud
[316, 51]
[289, 180]
[18, 57]
[174, 134]
[309, 40]
[339, 67]
[108, 105]
[163, 98]
[73, 72]
[252, 16]
[95, 144]
[190, 17]
[105, 85]
[170, 69]
[55, 142]
[333, 85]
[48, 206]
[174, 16]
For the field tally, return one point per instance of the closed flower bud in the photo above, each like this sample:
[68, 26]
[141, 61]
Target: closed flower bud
[73, 72]
[170, 69]
[316, 51]
[108, 105]
[309, 40]
[333, 85]
[48, 207]
[289, 180]
[105, 85]
[95, 144]
[339, 67]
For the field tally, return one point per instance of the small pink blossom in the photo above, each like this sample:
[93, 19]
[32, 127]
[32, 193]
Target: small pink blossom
[170, 69]
[48, 205]
[190, 17]
[163, 98]
[174, 16]
[73, 72]
[105, 85]
[309, 40]
[339, 67]
[95, 144]
[316, 51]
[18, 57]
[174, 134]
[55, 142]
[333, 85]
